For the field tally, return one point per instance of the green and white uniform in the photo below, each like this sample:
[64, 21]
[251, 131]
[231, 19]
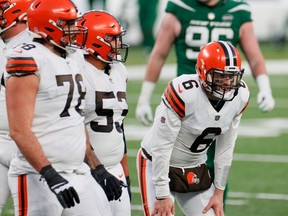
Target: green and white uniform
[202, 24]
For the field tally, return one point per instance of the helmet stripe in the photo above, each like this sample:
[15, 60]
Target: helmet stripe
[229, 52]
[233, 53]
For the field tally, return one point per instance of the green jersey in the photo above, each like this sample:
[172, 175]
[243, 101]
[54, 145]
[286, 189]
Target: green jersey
[202, 24]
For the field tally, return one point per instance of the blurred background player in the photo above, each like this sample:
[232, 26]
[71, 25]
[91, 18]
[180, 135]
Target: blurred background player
[13, 31]
[106, 106]
[45, 98]
[195, 111]
[188, 25]
[147, 17]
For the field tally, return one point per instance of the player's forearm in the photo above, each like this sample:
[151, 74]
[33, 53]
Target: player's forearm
[31, 149]
[90, 157]
[158, 57]
[160, 170]
[154, 67]
[124, 163]
[221, 176]
[258, 68]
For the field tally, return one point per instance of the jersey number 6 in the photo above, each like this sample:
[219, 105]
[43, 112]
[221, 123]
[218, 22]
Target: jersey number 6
[203, 141]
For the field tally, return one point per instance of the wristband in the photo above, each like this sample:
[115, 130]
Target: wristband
[161, 198]
[48, 172]
[127, 180]
[146, 91]
[263, 83]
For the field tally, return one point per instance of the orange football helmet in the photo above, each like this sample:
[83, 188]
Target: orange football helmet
[219, 69]
[55, 21]
[104, 40]
[13, 11]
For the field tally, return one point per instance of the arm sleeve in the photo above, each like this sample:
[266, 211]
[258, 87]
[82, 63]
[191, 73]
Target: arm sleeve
[20, 63]
[167, 125]
[224, 153]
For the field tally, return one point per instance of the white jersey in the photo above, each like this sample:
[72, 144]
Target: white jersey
[185, 125]
[58, 122]
[105, 110]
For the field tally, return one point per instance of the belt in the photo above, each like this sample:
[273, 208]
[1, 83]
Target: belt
[147, 155]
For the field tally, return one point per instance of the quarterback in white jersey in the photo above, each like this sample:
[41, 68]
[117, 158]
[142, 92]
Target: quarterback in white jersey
[195, 110]
[45, 101]
[13, 30]
[106, 106]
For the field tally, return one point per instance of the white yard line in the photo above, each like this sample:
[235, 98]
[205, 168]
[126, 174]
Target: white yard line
[234, 198]
[264, 196]
[274, 67]
[241, 157]
[273, 127]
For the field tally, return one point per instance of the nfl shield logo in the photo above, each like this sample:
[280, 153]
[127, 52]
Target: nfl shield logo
[217, 117]
[162, 120]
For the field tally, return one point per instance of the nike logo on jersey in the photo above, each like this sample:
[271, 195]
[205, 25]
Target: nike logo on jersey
[120, 176]
[18, 51]
[179, 89]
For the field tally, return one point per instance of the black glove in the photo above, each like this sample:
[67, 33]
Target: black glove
[129, 187]
[110, 184]
[65, 193]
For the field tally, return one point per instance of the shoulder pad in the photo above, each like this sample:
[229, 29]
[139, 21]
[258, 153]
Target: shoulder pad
[174, 100]
[180, 92]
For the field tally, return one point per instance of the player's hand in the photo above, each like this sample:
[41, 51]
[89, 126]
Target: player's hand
[215, 203]
[129, 187]
[163, 207]
[144, 113]
[111, 185]
[65, 193]
[265, 101]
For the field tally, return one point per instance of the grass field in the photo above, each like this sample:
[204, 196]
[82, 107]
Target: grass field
[258, 178]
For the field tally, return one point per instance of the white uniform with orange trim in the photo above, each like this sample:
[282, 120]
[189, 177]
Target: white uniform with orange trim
[7, 146]
[105, 109]
[185, 124]
[58, 125]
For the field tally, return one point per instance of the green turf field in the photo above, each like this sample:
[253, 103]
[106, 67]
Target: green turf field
[258, 179]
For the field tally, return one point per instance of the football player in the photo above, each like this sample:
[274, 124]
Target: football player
[191, 24]
[45, 101]
[195, 110]
[106, 106]
[13, 31]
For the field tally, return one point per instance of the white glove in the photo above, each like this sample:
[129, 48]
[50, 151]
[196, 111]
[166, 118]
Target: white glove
[265, 99]
[143, 110]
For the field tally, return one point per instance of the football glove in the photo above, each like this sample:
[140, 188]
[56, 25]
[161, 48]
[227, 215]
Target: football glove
[265, 99]
[111, 185]
[65, 193]
[143, 109]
